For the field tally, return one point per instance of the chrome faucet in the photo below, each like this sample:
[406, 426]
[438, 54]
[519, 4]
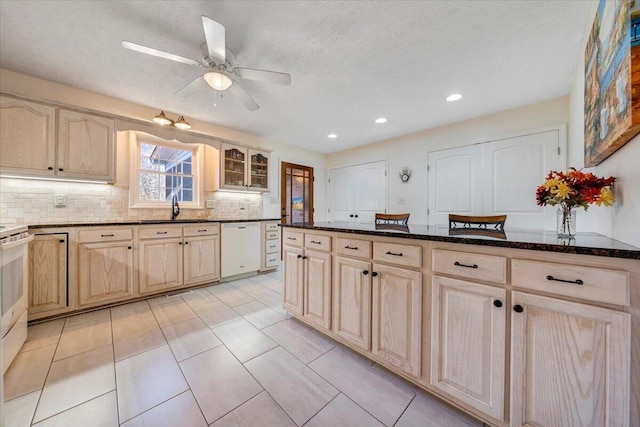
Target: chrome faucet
[175, 208]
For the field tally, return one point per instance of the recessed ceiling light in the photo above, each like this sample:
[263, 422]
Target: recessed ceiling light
[381, 120]
[454, 97]
[332, 136]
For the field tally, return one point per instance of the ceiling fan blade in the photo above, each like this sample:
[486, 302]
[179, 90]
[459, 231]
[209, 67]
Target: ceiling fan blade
[214, 34]
[159, 53]
[263, 75]
[244, 97]
[194, 85]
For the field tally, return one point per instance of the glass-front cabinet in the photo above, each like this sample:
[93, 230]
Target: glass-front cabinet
[243, 168]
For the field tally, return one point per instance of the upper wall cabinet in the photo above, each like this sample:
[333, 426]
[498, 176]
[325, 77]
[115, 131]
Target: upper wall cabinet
[85, 146]
[27, 138]
[243, 168]
[28, 131]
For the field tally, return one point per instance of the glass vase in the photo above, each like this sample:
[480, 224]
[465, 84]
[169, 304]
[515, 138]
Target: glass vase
[566, 225]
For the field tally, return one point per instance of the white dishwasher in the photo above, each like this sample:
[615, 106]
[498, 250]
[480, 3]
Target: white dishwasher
[240, 252]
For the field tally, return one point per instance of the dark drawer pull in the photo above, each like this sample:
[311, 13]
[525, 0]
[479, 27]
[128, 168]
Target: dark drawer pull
[465, 265]
[291, 238]
[394, 254]
[575, 282]
[106, 235]
[317, 243]
[201, 231]
[161, 232]
[241, 228]
[355, 248]
[365, 272]
[61, 241]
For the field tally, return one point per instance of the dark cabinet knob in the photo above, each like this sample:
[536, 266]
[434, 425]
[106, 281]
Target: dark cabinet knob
[186, 243]
[180, 243]
[299, 256]
[305, 257]
[60, 169]
[351, 216]
[50, 168]
[518, 308]
[128, 247]
[356, 216]
[374, 274]
[497, 303]
[61, 241]
[365, 272]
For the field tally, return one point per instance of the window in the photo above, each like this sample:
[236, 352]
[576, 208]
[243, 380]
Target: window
[163, 169]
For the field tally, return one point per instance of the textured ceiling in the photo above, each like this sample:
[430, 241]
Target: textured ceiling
[350, 62]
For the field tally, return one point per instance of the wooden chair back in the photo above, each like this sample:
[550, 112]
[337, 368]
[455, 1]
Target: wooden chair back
[495, 222]
[398, 219]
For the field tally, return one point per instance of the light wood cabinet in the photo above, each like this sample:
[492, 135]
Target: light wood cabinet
[352, 301]
[48, 273]
[105, 272]
[317, 288]
[85, 146]
[569, 363]
[201, 259]
[293, 278]
[27, 137]
[468, 343]
[73, 146]
[243, 168]
[270, 245]
[397, 317]
[160, 262]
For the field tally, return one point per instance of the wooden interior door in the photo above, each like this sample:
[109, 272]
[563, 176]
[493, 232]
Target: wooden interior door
[296, 194]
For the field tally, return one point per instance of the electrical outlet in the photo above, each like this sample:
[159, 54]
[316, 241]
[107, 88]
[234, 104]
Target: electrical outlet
[401, 201]
[211, 204]
[60, 200]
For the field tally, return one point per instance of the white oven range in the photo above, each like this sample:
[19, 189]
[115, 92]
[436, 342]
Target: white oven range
[14, 262]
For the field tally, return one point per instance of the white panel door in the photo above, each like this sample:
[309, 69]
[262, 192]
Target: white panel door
[454, 184]
[371, 191]
[513, 169]
[340, 194]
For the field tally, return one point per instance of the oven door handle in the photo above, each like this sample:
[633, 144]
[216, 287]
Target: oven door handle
[11, 245]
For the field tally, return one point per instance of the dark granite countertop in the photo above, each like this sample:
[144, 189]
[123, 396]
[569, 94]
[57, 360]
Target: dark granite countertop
[146, 222]
[538, 240]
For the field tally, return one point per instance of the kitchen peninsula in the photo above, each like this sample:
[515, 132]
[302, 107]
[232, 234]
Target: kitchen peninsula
[512, 328]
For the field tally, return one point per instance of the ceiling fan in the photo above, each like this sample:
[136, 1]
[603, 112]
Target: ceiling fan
[222, 73]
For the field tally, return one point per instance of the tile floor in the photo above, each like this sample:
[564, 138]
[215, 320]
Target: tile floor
[226, 355]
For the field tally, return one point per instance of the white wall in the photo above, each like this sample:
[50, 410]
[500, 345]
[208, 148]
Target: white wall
[31, 87]
[622, 221]
[411, 150]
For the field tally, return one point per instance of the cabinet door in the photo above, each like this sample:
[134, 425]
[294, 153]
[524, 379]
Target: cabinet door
[317, 288]
[201, 259]
[233, 167]
[569, 363]
[105, 272]
[85, 146]
[258, 170]
[397, 316]
[47, 273]
[27, 132]
[352, 301]
[293, 279]
[468, 343]
[160, 265]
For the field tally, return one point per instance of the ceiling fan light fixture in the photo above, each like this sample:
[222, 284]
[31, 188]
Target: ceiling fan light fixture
[182, 123]
[218, 81]
[163, 120]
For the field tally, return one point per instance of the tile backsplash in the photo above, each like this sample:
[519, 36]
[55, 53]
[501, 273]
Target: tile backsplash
[29, 201]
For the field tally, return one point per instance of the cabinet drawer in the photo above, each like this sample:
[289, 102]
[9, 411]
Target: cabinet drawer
[272, 235]
[473, 266]
[159, 232]
[316, 241]
[594, 284]
[393, 253]
[353, 247]
[271, 246]
[272, 260]
[271, 226]
[105, 235]
[292, 238]
[202, 230]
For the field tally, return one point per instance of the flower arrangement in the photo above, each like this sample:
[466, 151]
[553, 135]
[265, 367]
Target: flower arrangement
[574, 189]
